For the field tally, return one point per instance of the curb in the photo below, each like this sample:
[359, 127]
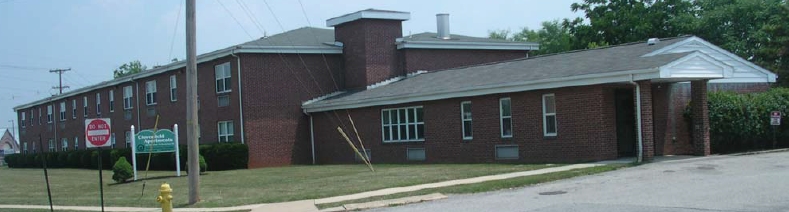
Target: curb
[386, 203]
[761, 152]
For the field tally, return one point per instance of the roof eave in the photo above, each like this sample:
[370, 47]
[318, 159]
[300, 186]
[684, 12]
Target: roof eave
[466, 45]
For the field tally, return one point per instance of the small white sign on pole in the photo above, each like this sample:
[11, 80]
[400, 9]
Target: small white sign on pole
[775, 118]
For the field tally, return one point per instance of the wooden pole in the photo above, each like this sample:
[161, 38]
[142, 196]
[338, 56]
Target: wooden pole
[359, 138]
[191, 103]
[354, 148]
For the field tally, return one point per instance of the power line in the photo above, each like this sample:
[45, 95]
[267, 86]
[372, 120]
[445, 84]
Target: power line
[175, 29]
[250, 16]
[60, 86]
[234, 18]
[23, 67]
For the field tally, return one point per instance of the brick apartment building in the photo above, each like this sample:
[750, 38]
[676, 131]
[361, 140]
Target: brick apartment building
[427, 97]
[252, 92]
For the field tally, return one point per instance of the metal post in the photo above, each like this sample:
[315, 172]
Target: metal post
[191, 104]
[134, 152]
[177, 153]
[101, 183]
[46, 175]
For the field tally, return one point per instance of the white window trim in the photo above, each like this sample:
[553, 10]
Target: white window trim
[98, 104]
[76, 142]
[50, 112]
[217, 78]
[73, 109]
[545, 116]
[391, 136]
[502, 117]
[463, 121]
[85, 106]
[127, 96]
[64, 144]
[112, 100]
[150, 91]
[62, 111]
[22, 123]
[173, 86]
[228, 132]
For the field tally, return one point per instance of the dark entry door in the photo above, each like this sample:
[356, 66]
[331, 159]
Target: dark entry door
[625, 122]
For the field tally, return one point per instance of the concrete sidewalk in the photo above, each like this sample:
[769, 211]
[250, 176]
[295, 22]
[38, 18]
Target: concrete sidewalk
[309, 205]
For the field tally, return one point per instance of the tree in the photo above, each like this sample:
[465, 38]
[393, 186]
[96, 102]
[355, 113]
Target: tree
[122, 170]
[553, 37]
[130, 68]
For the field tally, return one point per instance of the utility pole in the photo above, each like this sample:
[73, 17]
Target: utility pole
[13, 131]
[191, 104]
[60, 78]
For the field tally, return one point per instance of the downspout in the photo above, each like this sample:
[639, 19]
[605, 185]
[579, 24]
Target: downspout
[240, 102]
[312, 140]
[137, 100]
[638, 119]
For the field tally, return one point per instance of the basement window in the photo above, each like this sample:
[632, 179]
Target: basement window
[507, 152]
[365, 152]
[403, 124]
[415, 154]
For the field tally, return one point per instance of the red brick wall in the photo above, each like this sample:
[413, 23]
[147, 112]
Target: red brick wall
[274, 86]
[369, 50]
[584, 133]
[436, 59]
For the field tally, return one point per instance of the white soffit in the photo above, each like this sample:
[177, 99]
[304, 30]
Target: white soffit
[368, 14]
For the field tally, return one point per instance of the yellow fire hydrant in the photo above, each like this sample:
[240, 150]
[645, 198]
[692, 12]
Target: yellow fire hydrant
[165, 197]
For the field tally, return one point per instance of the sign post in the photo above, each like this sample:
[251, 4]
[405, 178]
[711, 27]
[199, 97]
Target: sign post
[134, 152]
[97, 135]
[775, 121]
[160, 141]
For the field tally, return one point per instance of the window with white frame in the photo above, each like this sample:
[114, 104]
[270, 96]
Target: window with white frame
[127, 95]
[112, 100]
[222, 73]
[549, 115]
[31, 117]
[403, 124]
[73, 109]
[150, 92]
[64, 144]
[225, 131]
[22, 123]
[85, 106]
[63, 111]
[52, 145]
[465, 117]
[24, 145]
[128, 136]
[112, 140]
[98, 104]
[505, 114]
[76, 142]
[49, 113]
[34, 147]
[39, 115]
[173, 89]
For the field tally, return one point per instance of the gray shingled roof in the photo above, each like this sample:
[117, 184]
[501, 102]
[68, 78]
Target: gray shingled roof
[305, 36]
[431, 36]
[624, 57]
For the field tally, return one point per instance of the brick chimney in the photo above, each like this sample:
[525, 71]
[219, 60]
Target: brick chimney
[369, 49]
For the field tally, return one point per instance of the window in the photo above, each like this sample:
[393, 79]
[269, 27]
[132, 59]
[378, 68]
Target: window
[128, 138]
[465, 117]
[64, 145]
[24, 147]
[52, 146]
[507, 152]
[223, 100]
[34, 148]
[415, 154]
[225, 129]
[506, 117]
[403, 124]
[22, 123]
[76, 142]
[150, 92]
[112, 100]
[549, 114]
[112, 140]
[173, 86]
[63, 111]
[85, 106]
[127, 95]
[73, 109]
[31, 117]
[98, 104]
[49, 113]
[222, 73]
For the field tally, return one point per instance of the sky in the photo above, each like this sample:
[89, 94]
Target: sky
[94, 37]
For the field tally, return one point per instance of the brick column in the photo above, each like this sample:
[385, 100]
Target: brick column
[701, 119]
[647, 127]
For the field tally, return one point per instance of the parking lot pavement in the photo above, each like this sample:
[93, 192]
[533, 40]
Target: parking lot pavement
[718, 183]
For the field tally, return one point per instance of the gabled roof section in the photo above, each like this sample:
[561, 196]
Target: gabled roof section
[429, 40]
[621, 63]
[8, 138]
[305, 40]
[368, 14]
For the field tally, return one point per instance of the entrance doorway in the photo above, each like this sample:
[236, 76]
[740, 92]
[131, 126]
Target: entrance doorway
[625, 122]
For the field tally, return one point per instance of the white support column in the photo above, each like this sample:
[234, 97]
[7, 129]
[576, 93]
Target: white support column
[134, 152]
[177, 153]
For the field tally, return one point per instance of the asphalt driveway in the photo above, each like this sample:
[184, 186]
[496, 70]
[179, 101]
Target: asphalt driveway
[717, 183]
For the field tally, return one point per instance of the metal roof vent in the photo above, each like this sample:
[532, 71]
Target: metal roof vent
[653, 41]
[442, 20]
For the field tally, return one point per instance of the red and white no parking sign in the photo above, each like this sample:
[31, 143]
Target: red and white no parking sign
[97, 133]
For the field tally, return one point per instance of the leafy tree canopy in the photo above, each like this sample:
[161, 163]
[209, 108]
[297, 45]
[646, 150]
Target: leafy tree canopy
[130, 68]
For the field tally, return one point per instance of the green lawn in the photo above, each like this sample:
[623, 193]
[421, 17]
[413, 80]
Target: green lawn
[490, 185]
[237, 187]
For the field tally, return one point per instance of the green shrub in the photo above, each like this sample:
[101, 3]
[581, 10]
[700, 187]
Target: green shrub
[741, 122]
[203, 165]
[226, 156]
[122, 171]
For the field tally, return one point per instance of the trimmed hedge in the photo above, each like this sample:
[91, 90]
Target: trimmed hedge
[741, 122]
[220, 156]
